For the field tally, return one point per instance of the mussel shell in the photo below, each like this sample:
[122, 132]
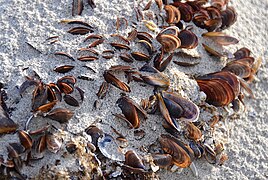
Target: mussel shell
[173, 14]
[240, 69]
[188, 39]
[221, 38]
[192, 132]
[67, 79]
[53, 143]
[186, 11]
[53, 92]
[25, 139]
[162, 160]
[174, 109]
[180, 152]
[219, 92]
[39, 96]
[171, 124]
[95, 133]
[138, 56]
[61, 115]
[110, 78]
[242, 53]
[169, 42]
[229, 77]
[70, 100]
[190, 110]
[156, 81]
[128, 109]
[229, 17]
[133, 160]
[7, 125]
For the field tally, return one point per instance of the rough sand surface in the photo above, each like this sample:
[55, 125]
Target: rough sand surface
[33, 21]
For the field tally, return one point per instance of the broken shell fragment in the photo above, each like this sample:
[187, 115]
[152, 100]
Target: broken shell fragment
[53, 143]
[109, 148]
[60, 114]
[193, 132]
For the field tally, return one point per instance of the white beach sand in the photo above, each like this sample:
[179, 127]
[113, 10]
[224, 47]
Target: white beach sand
[29, 21]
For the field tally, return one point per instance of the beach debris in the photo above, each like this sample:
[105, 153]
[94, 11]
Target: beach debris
[172, 38]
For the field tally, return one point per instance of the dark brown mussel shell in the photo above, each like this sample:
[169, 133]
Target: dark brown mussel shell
[186, 11]
[239, 68]
[70, 100]
[120, 46]
[173, 14]
[53, 93]
[110, 78]
[103, 90]
[126, 57]
[39, 96]
[133, 162]
[25, 139]
[231, 78]
[130, 110]
[160, 63]
[46, 107]
[77, 7]
[71, 147]
[197, 149]
[60, 114]
[64, 69]
[138, 56]
[162, 160]
[41, 144]
[188, 39]
[242, 53]
[181, 154]
[79, 30]
[190, 111]
[169, 42]
[229, 17]
[66, 84]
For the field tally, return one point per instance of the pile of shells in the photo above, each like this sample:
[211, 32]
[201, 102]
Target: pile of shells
[184, 140]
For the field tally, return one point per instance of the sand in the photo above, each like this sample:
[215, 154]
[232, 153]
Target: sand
[34, 21]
